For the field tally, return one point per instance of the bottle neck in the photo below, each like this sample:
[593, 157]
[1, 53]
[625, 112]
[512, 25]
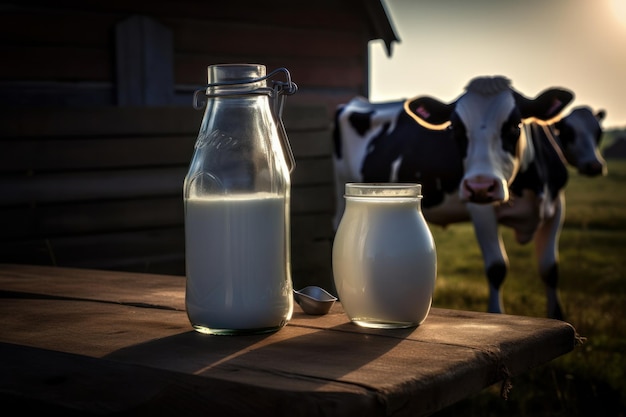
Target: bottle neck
[249, 80]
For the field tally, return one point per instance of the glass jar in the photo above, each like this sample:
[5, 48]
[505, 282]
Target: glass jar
[236, 198]
[384, 257]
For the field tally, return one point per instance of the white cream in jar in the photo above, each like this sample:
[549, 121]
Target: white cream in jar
[384, 256]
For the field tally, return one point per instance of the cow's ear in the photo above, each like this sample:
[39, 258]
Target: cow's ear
[600, 115]
[546, 106]
[429, 111]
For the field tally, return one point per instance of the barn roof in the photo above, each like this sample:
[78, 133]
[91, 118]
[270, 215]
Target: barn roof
[382, 26]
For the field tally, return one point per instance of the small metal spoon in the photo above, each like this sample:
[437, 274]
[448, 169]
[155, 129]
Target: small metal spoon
[314, 300]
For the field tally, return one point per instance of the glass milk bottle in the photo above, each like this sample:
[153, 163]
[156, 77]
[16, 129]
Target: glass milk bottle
[384, 257]
[236, 197]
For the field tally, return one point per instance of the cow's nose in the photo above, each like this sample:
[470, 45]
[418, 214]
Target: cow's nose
[593, 169]
[481, 190]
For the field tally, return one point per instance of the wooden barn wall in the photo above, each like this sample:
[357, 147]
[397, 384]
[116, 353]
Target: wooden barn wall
[66, 57]
[102, 188]
[64, 53]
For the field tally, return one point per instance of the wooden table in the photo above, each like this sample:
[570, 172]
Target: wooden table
[87, 342]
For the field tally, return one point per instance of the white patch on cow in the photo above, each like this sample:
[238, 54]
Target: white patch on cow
[354, 146]
[483, 117]
[395, 167]
[523, 214]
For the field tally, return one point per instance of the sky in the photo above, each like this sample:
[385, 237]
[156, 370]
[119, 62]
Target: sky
[576, 44]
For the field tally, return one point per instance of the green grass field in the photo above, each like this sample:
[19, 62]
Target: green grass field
[591, 380]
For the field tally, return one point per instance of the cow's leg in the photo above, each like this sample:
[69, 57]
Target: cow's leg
[494, 255]
[547, 252]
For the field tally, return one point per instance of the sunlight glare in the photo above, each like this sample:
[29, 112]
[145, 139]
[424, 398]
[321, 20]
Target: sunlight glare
[619, 10]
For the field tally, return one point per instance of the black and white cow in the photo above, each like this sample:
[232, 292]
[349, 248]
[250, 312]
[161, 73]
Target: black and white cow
[470, 170]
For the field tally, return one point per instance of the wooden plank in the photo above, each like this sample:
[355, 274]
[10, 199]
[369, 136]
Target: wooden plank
[109, 387]
[100, 94]
[97, 152]
[117, 250]
[31, 252]
[56, 94]
[89, 153]
[98, 187]
[61, 63]
[149, 182]
[92, 185]
[191, 37]
[102, 216]
[25, 223]
[158, 251]
[79, 218]
[44, 252]
[129, 121]
[308, 73]
[98, 121]
[139, 320]
[346, 16]
[26, 25]
[153, 251]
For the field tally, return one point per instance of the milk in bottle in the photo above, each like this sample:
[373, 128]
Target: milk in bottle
[236, 198]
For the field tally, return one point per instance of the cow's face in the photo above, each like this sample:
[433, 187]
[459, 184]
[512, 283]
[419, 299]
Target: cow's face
[485, 122]
[579, 135]
[487, 130]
